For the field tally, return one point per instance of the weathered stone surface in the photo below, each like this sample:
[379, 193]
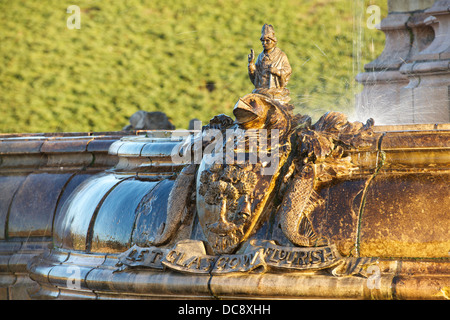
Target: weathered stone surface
[380, 209]
[408, 82]
[406, 215]
[8, 187]
[339, 217]
[116, 218]
[34, 204]
[143, 120]
[408, 5]
[38, 172]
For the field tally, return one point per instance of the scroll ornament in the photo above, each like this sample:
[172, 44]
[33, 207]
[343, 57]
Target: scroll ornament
[260, 256]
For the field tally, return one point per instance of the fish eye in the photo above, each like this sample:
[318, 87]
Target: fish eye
[243, 214]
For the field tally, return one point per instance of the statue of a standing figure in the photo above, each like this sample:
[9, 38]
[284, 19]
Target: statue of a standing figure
[271, 72]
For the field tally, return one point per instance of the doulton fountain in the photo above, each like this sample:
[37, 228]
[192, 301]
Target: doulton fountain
[264, 204]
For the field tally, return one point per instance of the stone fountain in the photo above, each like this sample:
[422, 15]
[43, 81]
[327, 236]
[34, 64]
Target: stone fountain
[408, 83]
[259, 206]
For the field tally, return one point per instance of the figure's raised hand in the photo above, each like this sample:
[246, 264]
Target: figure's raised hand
[251, 57]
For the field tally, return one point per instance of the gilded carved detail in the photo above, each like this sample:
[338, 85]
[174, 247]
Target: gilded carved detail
[267, 153]
[230, 189]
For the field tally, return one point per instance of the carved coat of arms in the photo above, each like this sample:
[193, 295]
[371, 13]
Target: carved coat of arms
[265, 153]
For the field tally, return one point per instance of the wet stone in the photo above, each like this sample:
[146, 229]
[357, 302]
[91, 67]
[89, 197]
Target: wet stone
[151, 213]
[407, 216]
[8, 187]
[34, 205]
[115, 219]
[71, 230]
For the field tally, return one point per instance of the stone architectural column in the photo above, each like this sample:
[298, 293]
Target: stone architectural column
[407, 34]
[428, 92]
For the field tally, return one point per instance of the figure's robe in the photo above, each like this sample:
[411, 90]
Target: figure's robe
[267, 83]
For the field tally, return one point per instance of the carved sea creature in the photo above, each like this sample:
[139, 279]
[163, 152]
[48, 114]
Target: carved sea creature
[323, 156]
[299, 201]
[178, 205]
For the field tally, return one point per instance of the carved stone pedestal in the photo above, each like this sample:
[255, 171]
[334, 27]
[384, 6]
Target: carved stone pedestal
[428, 92]
[383, 97]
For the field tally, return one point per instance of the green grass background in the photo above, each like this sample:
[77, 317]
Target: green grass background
[185, 58]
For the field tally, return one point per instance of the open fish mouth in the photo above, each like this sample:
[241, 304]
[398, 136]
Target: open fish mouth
[244, 116]
[251, 109]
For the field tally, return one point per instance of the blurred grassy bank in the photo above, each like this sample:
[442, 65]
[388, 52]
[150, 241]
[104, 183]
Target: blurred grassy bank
[185, 58]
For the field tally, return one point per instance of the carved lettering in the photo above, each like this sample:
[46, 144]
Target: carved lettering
[282, 254]
[328, 254]
[248, 260]
[299, 258]
[175, 257]
[234, 262]
[74, 20]
[271, 254]
[207, 263]
[141, 254]
[239, 263]
[156, 256]
[316, 256]
[137, 256]
[303, 257]
[131, 255]
[190, 257]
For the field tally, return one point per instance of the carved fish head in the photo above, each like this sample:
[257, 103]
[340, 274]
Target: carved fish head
[257, 111]
[251, 111]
